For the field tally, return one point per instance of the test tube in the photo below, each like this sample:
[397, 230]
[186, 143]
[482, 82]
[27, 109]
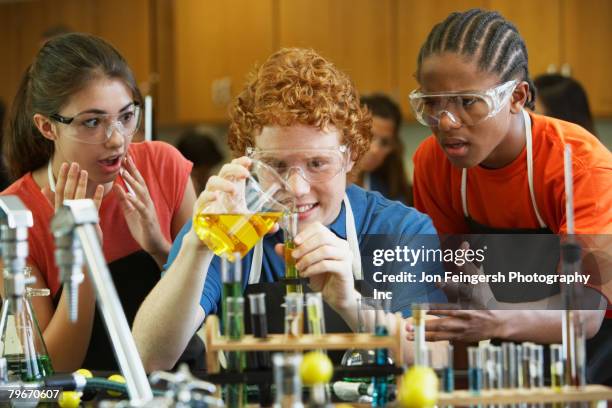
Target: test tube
[537, 353]
[291, 272]
[261, 359]
[420, 347]
[231, 276]
[526, 369]
[294, 314]
[287, 380]
[316, 317]
[236, 397]
[448, 372]
[379, 394]
[557, 378]
[509, 374]
[475, 370]
[492, 372]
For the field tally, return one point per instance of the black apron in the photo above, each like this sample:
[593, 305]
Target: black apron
[134, 276]
[275, 291]
[547, 255]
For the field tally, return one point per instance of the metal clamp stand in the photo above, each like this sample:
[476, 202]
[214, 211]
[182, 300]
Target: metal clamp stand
[15, 219]
[75, 222]
[184, 389]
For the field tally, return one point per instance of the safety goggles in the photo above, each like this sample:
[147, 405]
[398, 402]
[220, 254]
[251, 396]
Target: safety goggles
[97, 128]
[468, 108]
[313, 165]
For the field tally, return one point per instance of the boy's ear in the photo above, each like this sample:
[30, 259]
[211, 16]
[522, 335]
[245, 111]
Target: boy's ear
[45, 126]
[519, 97]
[349, 165]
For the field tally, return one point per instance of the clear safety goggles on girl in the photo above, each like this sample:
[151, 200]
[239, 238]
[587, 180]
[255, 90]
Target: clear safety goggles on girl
[313, 165]
[97, 128]
[468, 108]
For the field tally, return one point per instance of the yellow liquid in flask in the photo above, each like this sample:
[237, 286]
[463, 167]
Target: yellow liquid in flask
[225, 234]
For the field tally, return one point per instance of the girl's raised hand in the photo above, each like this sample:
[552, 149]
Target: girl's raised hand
[140, 213]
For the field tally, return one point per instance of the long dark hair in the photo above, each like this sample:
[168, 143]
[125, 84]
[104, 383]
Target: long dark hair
[565, 99]
[392, 169]
[62, 67]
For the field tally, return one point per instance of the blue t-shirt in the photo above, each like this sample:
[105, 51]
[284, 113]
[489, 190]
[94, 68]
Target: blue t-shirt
[374, 216]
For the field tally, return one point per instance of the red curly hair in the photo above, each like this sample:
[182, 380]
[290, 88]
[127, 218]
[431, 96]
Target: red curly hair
[298, 86]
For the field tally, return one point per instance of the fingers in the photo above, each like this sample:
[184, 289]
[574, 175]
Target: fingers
[448, 328]
[312, 237]
[135, 181]
[81, 186]
[323, 266]
[60, 184]
[72, 185]
[132, 170]
[319, 250]
[237, 169]
[72, 181]
[123, 199]
[98, 195]
[463, 314]
[322, 253]
[218, 183]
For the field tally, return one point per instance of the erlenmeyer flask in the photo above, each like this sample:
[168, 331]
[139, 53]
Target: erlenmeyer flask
[235, 223]
[21, 341]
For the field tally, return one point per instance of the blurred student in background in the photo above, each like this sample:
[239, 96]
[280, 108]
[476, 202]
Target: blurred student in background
[382, 168]
[563, 98]
[200, 149]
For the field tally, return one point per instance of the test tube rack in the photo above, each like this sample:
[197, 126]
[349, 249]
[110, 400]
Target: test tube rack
[216, 343]
[590, 393]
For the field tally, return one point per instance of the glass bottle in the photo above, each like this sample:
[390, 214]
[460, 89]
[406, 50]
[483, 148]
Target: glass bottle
[21, 341]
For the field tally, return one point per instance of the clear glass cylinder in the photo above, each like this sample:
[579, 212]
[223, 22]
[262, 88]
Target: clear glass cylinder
[509, 365]
[314, 310]
[475, 369]
[557, 365]
[290, 228]
[420, 346]
[286, 368]
[294, 314]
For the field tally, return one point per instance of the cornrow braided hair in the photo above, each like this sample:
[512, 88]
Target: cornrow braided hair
[490, 38]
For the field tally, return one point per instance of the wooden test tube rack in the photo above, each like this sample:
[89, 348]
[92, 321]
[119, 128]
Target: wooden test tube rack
[589, 393]
[281, 342]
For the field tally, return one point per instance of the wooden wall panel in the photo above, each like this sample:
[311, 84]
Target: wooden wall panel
[11, 66]
[127, 25]
[415, 19]
[357, 36]
[190, 46]
[123, 23]
[163, 60]
[587, 36]
[217, 43]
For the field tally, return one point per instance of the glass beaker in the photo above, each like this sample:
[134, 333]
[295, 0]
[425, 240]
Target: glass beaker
[236, 222]
[21, 341]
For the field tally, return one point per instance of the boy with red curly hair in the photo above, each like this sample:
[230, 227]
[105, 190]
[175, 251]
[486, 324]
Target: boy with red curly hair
[301, 115]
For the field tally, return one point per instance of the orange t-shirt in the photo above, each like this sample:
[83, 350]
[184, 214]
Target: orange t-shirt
[166, 173]
[500, 198]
